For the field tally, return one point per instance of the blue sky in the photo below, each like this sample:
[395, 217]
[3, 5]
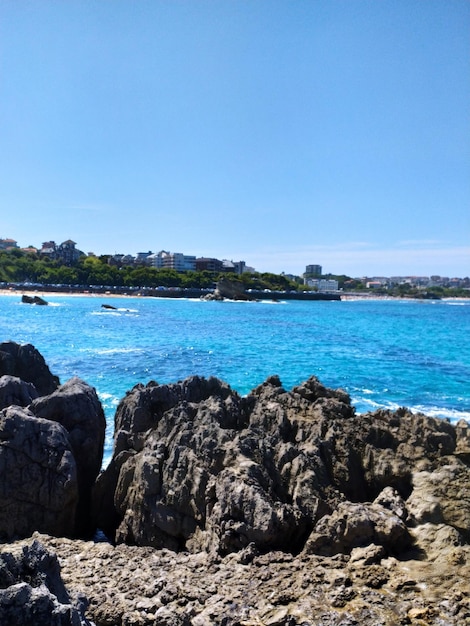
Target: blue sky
[283, 133]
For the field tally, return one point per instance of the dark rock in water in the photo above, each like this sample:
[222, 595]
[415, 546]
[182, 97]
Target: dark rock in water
[75, 405]
[33, 593]
[39, 488]
[231, 289]
[25, 362]
[13, 390]
[34, 300]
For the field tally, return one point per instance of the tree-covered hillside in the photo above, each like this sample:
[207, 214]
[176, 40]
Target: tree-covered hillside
[17, 266]
[29, 269]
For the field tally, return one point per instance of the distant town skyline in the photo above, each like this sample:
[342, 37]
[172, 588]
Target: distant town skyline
[309, 270]
[282, 133]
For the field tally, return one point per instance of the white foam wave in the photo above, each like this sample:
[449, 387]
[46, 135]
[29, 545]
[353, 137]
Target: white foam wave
[117, 350]
[433, 411]
[112, 350]
[364, 405]
[108, 399]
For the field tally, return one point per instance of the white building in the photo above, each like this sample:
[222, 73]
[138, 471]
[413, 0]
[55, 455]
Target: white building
[173, 260]
[180, 262]
[323, 284]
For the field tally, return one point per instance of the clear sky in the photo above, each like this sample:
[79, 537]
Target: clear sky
[279, 132]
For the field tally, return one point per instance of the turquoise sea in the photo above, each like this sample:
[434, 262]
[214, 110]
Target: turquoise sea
[385, 353]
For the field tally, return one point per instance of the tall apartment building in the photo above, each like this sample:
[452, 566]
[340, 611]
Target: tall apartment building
[313, 271]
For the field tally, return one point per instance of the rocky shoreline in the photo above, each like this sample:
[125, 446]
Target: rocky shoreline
[280, 508]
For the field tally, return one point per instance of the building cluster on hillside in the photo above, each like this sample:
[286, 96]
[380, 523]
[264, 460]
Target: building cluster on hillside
[68, 254]
[65, 253]
[179, 262]
[312, 278]
[384, 282]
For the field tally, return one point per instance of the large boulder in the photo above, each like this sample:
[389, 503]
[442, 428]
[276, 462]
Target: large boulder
[39, 487]
[75, 405]
[231, 289]
[32, 591]
[357, 524]
[195, 466]
[25, 362]
[28, 382]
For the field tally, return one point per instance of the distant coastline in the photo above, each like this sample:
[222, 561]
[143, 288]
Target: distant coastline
[194, 293]
[179, 293]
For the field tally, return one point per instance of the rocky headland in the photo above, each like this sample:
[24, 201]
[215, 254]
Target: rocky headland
[280, 508]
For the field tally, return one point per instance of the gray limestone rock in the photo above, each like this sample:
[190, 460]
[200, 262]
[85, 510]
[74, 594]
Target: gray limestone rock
[354, 525]
[195, 466]
[75, 405]
[39, 489]
[442, 496]
[282, 507]
[139, 585]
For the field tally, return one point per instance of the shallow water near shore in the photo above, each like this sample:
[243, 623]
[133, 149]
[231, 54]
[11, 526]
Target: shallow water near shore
[385, 353]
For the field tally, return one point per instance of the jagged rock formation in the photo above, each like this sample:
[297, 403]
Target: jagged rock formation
[32, 590]
[281, 508]
[197, 467]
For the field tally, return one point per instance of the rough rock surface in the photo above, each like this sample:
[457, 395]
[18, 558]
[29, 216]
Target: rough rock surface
[38, 487]
[279, 508]
[25, 362]
[140, 586]
[32, 590]
[230, 289]
[75, 405]
[197, 467]
[50, 455]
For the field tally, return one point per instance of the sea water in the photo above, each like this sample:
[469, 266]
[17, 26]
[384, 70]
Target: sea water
[384, 353]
